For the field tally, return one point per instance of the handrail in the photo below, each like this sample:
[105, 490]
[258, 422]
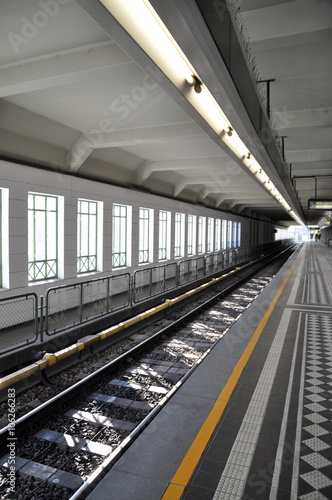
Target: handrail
[18, 314]
[69, 305]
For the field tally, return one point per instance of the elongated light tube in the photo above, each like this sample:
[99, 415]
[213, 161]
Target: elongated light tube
[144, 25]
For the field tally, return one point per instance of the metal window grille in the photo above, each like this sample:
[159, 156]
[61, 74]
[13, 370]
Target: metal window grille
[162, 235]
[87, 236]
[0, 238]
[178, 235]
[239, 234]
[201, 231]
[42, 237]
[190, 235]
[191, 242]
[119, 252]
[224, 234]
[143, 230]
[229, 234]
[210, 235]
[234, 234]
[217, 235]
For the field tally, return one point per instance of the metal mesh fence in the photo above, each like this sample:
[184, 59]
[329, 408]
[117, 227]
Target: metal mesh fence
[157, 280]
[119, 291]
[63, 308]
[95, 299]
[75, 304]
[70, 305]
[142, 281]
[18, 321]
[170, 276]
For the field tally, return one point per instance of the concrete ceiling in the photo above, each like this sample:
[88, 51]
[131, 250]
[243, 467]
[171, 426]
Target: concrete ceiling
[78, 95]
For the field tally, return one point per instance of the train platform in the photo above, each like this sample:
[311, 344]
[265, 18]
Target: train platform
[254, 420]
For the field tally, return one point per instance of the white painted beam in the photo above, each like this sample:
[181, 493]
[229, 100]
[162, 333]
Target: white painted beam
[288, 19]
[319, 117]
[309, 155]
[237, 199]
[69, 66]
[147, 135]
[118, 138]
[218, 187]
[145, 170]
[219, 182]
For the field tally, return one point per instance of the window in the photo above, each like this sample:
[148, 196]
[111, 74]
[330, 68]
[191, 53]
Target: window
[179, 235]
[234, 235]
[224, 234]
[239, 234]
[210, 234]
[87, 234]
[229, 234]
[191, 246]
[201, 234]
[4, 238]
[121, 235]
[1, 238]
[42, 236]
[217, 235]
[145, 236]
[164, 235]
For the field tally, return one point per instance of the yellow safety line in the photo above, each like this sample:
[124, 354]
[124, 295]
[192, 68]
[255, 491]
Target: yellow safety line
[188, 464]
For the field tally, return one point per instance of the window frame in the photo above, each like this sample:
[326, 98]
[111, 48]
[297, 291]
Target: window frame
[89, 268]
[179, 222]
[239, 231]
[1, 251]
[144, 235]
[191, 235]
[229, 235]
[217, 235]
[201, 234]
[210, 234]
[234, 234]
[118, 235]
[33, 264]
[164, 235]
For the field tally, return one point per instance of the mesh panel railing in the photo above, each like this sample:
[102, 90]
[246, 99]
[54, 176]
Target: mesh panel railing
[119, 292]
[190, 269]
[18, 321]
[141, 284]
[63, 308]
[170, 276]
[70, 305]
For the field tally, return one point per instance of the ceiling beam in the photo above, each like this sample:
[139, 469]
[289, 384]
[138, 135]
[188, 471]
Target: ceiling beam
[319, 117]
[61, 68]
[223, 197]
[227, 166]
[233, 188]
[147, 135]
[287, 19]
[102, 139]
[309, 155]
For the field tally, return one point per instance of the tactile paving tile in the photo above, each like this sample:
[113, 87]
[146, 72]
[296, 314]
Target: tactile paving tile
[317, 394]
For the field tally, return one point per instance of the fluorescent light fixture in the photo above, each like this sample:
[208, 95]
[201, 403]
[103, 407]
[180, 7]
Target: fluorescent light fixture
[233, 141]
[141, 21]
[144, 25]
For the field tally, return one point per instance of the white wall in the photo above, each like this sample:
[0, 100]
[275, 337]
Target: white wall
[21, 179]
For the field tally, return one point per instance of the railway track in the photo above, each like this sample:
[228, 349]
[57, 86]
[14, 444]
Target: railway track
[67, 443]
